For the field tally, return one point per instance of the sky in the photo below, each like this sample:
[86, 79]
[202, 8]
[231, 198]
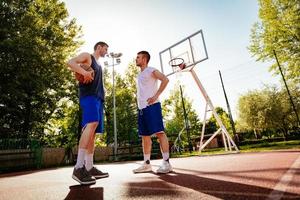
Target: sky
[153, 25]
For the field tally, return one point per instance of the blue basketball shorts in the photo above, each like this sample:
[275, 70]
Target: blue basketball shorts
[92, 111]
[150, 120]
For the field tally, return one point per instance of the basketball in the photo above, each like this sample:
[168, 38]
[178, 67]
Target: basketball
[79, 77]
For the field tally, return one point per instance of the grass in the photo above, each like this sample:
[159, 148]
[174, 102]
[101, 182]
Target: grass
[293, 144]
[271, 146]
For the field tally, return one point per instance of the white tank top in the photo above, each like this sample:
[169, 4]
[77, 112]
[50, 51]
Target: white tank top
[146, 87]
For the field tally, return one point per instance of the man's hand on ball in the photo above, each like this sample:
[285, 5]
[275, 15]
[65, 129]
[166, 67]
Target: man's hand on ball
[88, 77]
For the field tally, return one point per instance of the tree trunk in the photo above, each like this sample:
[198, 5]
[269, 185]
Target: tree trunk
[27, 115]
[255, 133]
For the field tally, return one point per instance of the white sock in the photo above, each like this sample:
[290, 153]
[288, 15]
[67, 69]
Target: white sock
[80, 158]
[89, 161]
[147, 157]
[165, 156]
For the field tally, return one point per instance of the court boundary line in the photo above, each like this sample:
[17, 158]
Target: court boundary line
[281, 187]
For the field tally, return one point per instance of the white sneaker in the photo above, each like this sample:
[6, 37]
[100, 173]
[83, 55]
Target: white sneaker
[144, 168]
[164, 168]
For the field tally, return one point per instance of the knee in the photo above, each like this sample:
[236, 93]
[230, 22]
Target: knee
[160, 135]
[147, 140]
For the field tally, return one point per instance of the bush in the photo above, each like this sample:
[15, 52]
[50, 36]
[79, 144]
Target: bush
[259, 141]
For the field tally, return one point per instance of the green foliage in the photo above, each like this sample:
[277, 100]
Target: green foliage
[270, 146]
[268, 109]
[126, 106]
[130, 78]
[35, 40]
[61, 128]
[174, 117]
[212, 125]
[279, 30]
[100, 141]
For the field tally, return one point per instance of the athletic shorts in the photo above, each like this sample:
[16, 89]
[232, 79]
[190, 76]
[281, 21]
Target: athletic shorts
[92, 111]
[150, 120]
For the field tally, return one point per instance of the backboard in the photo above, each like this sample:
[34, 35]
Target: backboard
[192, 49]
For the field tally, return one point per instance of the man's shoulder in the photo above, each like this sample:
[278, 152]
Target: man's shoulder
[87, 57]
[151, 69]
[86, 54]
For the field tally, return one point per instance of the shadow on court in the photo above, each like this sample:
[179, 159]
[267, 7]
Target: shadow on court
[214, 187]
[152, 189]
[248, 173]
[221, 189]
[20, 173]
[85, 192]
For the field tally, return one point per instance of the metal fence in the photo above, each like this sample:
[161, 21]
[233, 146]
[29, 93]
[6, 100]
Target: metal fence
[19, 154]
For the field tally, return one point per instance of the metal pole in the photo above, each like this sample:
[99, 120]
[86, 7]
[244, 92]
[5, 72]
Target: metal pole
[293, 105]
[115, 117]
[203, 128]
[208, 101]
[228, 106]
[186, 121]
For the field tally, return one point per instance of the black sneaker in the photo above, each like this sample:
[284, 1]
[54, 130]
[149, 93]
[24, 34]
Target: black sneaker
[82, 176]
[97, 173]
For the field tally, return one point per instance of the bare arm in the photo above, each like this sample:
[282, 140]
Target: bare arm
[164, 82]
[74, 65]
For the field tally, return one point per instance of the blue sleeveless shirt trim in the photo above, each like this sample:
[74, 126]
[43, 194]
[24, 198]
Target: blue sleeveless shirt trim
[95, 87]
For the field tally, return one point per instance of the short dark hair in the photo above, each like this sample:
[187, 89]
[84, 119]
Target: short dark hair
[101, 44]
[146, 54]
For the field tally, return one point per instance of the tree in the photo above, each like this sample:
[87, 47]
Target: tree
[36, 38]
[61, 128]
[131, 101]
[279, 30]
[252, 109]
[266, 111]
[212, 125]
[174, 117]
[126, 106]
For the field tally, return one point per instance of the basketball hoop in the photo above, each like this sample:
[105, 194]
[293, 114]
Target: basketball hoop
[183, 56]
[177, 64]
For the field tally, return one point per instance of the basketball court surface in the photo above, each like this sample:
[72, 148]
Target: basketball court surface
[267, 175]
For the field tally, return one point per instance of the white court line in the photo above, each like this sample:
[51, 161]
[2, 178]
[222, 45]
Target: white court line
[282, 185]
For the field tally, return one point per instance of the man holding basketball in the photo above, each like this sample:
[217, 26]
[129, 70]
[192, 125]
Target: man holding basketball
[150, 120]
[91, 97]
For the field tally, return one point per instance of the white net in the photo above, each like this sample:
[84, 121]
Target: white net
[179, 75]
